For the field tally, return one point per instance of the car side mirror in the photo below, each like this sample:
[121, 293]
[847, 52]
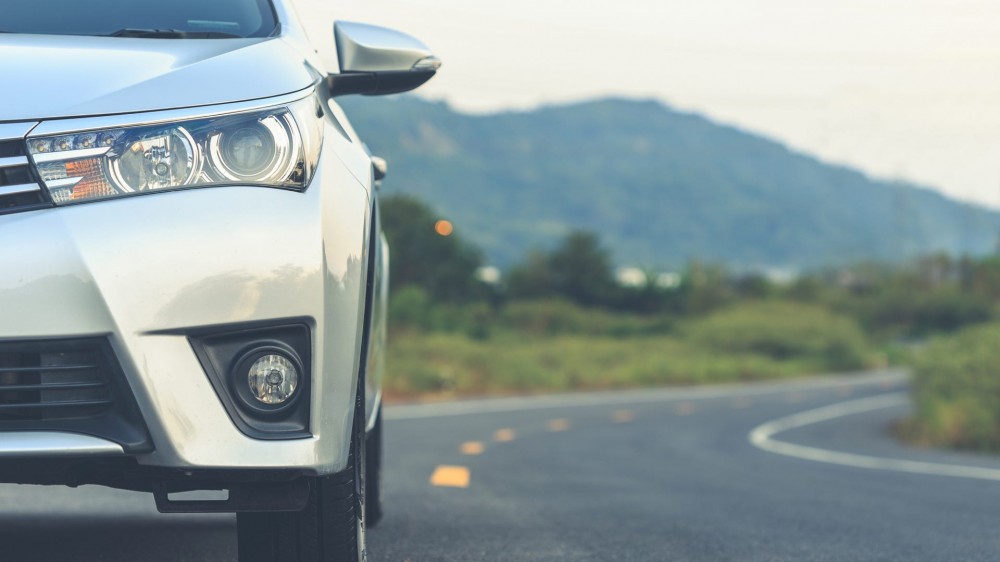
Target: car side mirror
[379, 168]
[376, 61]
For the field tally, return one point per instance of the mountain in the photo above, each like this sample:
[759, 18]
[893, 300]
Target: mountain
[660, 186]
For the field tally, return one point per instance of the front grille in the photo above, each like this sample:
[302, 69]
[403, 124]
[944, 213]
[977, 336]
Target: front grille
[68, 385]
[19, 189]
[50, 383]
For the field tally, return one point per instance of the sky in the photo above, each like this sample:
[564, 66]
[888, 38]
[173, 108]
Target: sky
[901, 89]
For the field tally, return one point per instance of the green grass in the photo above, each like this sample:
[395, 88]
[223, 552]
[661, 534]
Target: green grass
[551, 347]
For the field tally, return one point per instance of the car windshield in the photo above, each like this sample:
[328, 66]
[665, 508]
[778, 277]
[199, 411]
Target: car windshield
[128, 18]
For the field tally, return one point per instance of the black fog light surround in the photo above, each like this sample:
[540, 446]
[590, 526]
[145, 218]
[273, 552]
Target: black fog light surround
[261, 373]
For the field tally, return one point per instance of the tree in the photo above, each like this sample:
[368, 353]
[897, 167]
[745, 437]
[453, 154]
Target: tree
[704, 288]
[580, 269]
[442, 264]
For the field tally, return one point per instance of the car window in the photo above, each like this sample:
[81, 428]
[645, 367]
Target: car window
[194, 18]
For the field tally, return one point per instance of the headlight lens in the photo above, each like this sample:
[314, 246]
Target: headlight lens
[277, 147]
[156, 160]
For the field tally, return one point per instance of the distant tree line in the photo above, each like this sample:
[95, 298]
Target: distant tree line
[934, 294]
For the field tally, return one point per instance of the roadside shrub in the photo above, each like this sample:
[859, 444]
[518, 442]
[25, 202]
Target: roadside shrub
[550, 317]
[445, 365]
[784, 331]
[411, 307]
[956, 390]
[909, 311]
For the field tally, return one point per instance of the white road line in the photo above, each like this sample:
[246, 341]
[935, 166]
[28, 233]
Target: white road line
[762, 437]
[617, 398]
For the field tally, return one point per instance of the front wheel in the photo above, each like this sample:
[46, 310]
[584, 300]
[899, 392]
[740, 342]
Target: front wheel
[332, 526]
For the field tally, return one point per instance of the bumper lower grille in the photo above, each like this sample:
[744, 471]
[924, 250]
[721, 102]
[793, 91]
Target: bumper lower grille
[68, 385]
[53, 384]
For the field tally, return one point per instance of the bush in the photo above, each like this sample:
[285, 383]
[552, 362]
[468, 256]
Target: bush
[784, 331]
[560, 317]
[911, 312]
[956, 390]
[455, 365]
[411, 307]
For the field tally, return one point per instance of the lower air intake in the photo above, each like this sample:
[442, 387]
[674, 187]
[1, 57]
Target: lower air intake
[68, 385]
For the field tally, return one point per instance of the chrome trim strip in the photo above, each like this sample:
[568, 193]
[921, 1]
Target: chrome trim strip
[60, 155]
[76, 125]
[15, 131]
[12, 161]
[18, 188]
[63, 183]
[37, 444]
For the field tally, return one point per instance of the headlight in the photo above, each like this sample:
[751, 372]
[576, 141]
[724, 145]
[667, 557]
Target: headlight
[276, 147]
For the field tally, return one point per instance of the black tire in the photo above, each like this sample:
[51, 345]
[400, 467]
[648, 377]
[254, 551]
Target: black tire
[373, 482]
[332, 526]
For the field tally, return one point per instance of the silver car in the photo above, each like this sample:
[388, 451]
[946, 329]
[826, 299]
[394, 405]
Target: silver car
[192, 270]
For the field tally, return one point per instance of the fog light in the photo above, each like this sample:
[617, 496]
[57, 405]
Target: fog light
[273, 379]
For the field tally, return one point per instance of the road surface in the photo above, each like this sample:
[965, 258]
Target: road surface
[800, 470]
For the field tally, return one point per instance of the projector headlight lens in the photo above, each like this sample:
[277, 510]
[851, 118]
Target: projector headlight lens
[273, 379]
[254, 151]
[277, 147]
[248, 151]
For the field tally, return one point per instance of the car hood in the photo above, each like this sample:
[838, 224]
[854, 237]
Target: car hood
[50, 76]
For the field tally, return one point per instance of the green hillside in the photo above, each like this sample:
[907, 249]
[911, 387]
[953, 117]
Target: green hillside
[660, 186]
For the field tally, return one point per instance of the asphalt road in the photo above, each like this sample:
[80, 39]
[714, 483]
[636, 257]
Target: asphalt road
[684, 474]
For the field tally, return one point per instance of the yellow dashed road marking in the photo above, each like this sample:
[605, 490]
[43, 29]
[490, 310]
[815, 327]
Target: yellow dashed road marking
[558, 425]
[472, 448]
[793, 398]
[504, 435]
[741, 402]
[845, 391]
[451, 476]
[623, 416]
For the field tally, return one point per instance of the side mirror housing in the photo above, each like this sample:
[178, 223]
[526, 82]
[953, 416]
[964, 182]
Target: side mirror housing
[379, 168]
[376, 61]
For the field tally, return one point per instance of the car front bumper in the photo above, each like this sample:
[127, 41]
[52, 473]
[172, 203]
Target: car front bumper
[144, 271]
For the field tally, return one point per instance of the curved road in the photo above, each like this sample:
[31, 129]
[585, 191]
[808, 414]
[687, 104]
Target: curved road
[800, 470]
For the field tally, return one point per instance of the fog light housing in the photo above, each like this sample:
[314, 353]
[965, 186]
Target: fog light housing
[268, 378]
[228, 352]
